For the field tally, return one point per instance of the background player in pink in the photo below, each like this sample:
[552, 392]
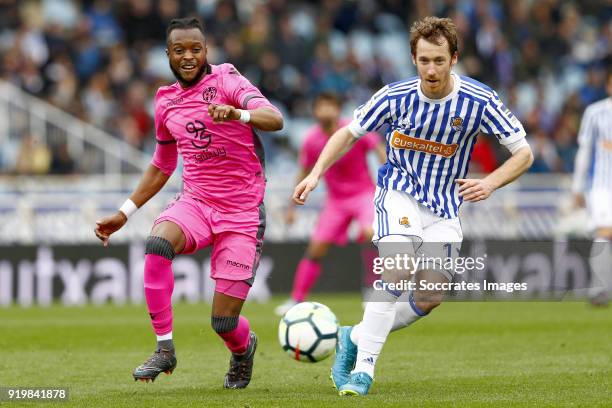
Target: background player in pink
[350, 193]
[209, 116]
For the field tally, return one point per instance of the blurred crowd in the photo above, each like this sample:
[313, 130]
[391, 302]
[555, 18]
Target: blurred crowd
[102, 61]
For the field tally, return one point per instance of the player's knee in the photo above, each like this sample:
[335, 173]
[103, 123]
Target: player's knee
[315, 256]
[396, 275]
[426, 300]
[394, 271]
[159, 246]
[397, 255]
[427, 306]
[317, 251]
[224, 324]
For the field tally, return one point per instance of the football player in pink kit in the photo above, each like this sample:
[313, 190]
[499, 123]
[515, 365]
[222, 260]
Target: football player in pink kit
[209, 116]
[350, 194]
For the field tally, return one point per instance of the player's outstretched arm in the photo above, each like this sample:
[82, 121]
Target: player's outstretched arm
[152, 181]
[265, 119]
[480, 189]
[337, 145]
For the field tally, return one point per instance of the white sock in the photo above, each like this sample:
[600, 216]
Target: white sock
[355, 332]
[601, 265]
[167, 336]
[406, 313]
[374, 328]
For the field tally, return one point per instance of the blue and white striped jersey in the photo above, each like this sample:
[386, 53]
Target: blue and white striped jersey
[429, 142]
[595, 140]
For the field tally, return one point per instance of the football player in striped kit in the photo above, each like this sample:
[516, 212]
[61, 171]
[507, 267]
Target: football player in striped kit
[593, 189]
[432, 121]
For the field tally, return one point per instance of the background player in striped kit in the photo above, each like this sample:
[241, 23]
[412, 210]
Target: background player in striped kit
[593, 188]
[350, 191]
[209, 115]
[433, 121]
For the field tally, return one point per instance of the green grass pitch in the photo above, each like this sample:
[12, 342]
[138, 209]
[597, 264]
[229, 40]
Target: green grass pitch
[465, 354]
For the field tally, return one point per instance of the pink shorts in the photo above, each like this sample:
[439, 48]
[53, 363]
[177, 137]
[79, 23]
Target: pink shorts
[236, 239]
[237, 289]
[336, 217]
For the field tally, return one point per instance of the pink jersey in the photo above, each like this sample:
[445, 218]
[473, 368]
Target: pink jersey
[223, 162]
[350, 175]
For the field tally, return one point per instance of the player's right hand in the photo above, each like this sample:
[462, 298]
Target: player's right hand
[107, 225]
[304, 188]
[223, 113]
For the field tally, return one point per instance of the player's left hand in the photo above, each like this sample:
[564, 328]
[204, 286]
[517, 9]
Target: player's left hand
[223, 113]
[474, 189]
[301, 191]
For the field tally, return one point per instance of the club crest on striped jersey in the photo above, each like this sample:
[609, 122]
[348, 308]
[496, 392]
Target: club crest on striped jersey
[456, 123]
[209, 94]
[404, 221]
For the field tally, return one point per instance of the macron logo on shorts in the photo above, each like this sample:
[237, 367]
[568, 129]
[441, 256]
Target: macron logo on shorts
[238, 264]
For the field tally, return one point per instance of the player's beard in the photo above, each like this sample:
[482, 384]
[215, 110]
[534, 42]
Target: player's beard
[195, 80]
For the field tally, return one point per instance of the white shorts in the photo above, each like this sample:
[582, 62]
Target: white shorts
[400, 217]
[600, 208]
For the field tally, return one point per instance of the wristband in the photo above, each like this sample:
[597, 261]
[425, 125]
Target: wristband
[128, 208]
[245, 116]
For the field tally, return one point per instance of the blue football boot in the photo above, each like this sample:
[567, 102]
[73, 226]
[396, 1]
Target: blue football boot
[346, 354]
[359, 384]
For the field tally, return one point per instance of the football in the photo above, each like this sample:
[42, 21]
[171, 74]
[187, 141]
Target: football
[307, 332]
